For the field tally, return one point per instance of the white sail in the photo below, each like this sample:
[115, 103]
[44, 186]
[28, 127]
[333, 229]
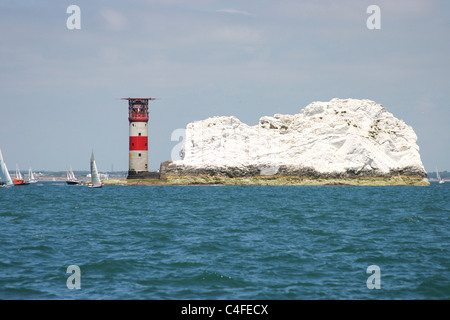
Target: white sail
[6, 178]
[18, 174]
[95, 179]
[31, 177]
[72, 175]
[439, 177]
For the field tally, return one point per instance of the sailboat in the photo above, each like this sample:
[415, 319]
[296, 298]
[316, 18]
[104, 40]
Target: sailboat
[439, 177]
[31, 177]
[18, 180]
[6, 178]
[95, 179]
[71, 179]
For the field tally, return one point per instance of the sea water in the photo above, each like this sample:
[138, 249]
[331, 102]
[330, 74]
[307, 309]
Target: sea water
[224, 242]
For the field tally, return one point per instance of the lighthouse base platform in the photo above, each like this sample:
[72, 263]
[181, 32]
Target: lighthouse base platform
[143, 175]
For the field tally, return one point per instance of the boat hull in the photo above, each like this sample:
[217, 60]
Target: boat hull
[92, 186]
[20, 182]
[72, 183]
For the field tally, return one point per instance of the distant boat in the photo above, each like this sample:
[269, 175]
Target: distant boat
[439, 177]
[31, 177]
[18, 180]
[71, 179]
[4, 173]
[95, 179]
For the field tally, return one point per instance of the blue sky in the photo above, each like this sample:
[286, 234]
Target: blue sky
[60, 88]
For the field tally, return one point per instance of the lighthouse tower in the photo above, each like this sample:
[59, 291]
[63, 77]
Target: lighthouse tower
[138, 148]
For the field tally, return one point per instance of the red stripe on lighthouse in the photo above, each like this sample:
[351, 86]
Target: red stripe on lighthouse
[138, 143]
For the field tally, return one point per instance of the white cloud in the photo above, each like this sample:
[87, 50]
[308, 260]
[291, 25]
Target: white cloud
[114, 20]
[350, 10]
[234, 11]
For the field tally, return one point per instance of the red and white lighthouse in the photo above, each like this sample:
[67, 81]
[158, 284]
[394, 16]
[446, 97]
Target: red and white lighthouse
[138, 148]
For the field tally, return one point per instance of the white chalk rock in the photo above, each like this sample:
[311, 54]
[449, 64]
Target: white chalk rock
[336, 138]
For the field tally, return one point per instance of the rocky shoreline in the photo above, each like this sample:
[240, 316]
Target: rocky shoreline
[174, 173]
[169, 168]
[399, 180]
